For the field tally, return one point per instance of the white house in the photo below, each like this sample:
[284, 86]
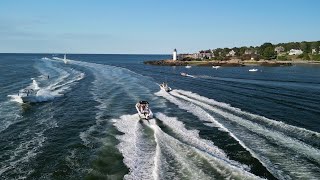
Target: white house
[314, 51]
[295, 52]
[231, 53]
[174, 55]
[279, 49]
[250, 51]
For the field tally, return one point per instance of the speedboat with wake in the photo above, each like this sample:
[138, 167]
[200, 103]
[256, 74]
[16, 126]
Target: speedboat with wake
[186, 75]
[28, 95]
[143, 110]
[164, 86]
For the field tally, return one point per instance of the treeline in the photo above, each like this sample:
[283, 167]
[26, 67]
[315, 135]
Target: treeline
[266, 51]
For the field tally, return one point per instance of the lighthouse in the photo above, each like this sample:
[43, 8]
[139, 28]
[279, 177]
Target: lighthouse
[174, 55]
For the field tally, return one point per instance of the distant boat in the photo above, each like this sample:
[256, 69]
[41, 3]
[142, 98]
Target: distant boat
[183, 74]
[164, 86]
[215, 67]
[253, 70]
[188, 66]
[186, 75]
[65, 59]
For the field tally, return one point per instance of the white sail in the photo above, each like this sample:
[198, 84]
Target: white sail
[65, 59]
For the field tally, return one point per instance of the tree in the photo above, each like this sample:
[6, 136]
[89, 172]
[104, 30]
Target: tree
[305, 47]
[242, 50]
[315, 45]
[268, 52]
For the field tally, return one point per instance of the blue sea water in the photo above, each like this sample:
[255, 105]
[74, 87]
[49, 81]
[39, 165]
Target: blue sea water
[219, 124]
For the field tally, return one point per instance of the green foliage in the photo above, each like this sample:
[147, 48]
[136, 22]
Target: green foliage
[282, 58]
[301, 56]
[315, 57]
[267, 51]
[304, 56]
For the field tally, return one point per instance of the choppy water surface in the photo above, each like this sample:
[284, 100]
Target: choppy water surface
[225, 123]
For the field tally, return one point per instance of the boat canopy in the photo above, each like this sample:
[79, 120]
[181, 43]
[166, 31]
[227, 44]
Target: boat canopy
[143, 102]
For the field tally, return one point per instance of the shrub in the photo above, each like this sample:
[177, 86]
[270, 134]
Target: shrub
[316, 57]
[282, 58]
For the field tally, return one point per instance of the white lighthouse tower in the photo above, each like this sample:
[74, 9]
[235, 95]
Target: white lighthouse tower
[174, 55]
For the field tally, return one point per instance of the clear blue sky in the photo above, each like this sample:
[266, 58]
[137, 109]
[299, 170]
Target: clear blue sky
[152, 26]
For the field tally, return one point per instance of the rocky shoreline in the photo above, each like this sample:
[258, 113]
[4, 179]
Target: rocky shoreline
[230, 63]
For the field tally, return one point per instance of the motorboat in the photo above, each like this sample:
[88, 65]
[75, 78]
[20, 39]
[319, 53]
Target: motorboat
[188, 66]
[164, 86]
[253, 70]
[215, 67]
[184, 74]
[143, 110]
[28, 95]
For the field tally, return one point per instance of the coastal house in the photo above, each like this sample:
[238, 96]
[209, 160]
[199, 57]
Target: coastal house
[279, 49]
[205, 55]
[231, 53]
[295, 52]
[250, 51]
[313, 51]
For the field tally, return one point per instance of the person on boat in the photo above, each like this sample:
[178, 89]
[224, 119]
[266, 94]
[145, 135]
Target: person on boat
[142, 108]
[48, 76]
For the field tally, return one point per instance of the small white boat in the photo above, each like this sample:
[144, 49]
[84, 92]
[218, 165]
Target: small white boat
[164, 86]
[187, 75]
[143, 110]
[183, 74]
[28, 95]
[253, 70]
[215, 67]
[188, 66]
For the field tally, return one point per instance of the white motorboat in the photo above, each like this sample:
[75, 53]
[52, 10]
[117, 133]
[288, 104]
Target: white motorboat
[143, 110]
[28, 95]
[215, 67]
[187, 75]
[183, 74]
[188, 66]
[164, 86]
[253, 70]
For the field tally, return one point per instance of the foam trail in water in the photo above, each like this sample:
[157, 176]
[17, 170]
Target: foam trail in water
[32, 139]
[296, 148]
[190, 157]
[62, 78]
[138, 153]
[192, 138]
[279, 138]
[297, 132]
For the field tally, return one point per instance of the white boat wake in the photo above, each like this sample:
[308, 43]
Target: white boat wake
[161, 156]
[258, 135]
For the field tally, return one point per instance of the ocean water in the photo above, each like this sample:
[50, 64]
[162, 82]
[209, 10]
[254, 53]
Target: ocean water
[225, 123]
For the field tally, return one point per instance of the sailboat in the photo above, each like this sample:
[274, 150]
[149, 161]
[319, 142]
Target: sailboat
[65, 59]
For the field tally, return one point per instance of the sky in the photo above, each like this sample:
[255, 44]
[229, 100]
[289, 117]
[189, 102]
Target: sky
[152, 26]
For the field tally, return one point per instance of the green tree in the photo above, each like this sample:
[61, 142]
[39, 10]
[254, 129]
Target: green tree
[305, 47]
[315, 45]
[242, 50]
[267, 51]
